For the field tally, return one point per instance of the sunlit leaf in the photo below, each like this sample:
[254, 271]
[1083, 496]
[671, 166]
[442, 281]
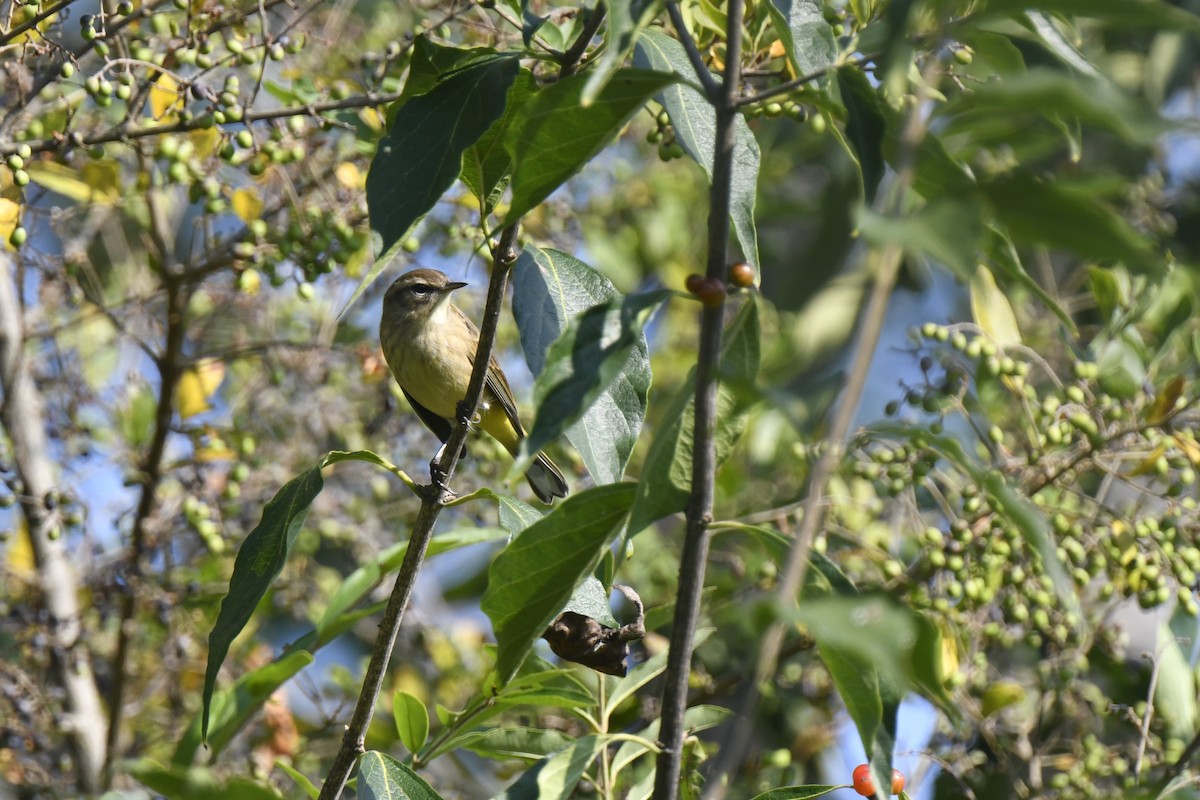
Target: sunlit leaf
[246, 203]
[164, 98]
[412, 720]
[532, 579]
[196, 385]
[381, 777]
[992, 311]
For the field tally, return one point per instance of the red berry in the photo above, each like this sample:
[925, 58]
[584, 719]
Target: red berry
[897, 781]
[711, 292]
[864, 781]
[742, 275]
[694, 283]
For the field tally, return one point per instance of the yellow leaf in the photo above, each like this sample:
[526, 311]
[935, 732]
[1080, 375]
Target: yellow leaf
[164, 96]
[1000, 695]
[196, 385]
[777, 50]
[104, 178]
[10, 216]
[349, 175]
[948, 665]
[1165, 400]
[205, 141]
[77, 186]
[1148, 465]
[991, 309]
[19, 555]
[247, 204]
[1189, 448]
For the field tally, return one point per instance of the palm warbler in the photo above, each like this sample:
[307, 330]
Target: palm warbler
[430, 346]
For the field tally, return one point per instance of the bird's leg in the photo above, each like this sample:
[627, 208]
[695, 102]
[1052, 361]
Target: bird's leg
[438, 475]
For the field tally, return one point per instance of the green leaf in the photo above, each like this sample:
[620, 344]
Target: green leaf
[260, 559]
[1005, 259]
[992, 311]
[196, 783]
[1122, 371]
[363, 580]
[1122, 13]
[695, 124]
[591, 600]
[517, 515]
[866, 125]
[381, 777]
[1057, 95]
[1175, 693]
[807, 38]
[797, 792]
[695, 719]
[504, 744]
[598, 394]
[666, 478]
[531, 580]
[412, 720]
[1062, 217]
[605, 343]
[230, 709]
[555, 135]
[486, 164]
[948, 231]
[421, 155]
[555, 777]
[299, 778]
[626, 20]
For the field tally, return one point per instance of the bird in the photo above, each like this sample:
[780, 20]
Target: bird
[430, 344]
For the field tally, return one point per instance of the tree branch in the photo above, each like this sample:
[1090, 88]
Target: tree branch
[711, 88]
[21, 416]
[699, 511]
[570, 59]
[736, 738]
[434, 498]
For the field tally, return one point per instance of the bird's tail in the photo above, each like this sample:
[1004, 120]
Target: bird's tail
[546, 480]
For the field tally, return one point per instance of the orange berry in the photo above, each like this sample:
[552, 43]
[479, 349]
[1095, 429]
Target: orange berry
[694, 283]
[742, 275]
[897, 781]
[864, 782]
[711, 292]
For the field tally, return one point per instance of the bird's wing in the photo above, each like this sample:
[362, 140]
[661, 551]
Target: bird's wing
[497, 384]
[439, 425]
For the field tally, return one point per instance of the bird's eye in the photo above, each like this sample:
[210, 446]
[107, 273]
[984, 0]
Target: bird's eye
[420, 290]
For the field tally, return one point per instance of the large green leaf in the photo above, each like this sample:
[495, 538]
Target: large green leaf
[797, 792]
[594, 389]
[626, 21]
[695, 125]
[531, 580]
[866, 125]
[1044, 213]
[666, 478]
[486, 164]
[807, 38]
[1057, 95]
[555, 777]
[233, 707]
[555, 134]
[1124, 13]
[412, 720]
[260, 559]
[196, 783]
[947, 230]
[421, 155]
[381, 777]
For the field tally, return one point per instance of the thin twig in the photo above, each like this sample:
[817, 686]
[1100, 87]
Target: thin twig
[434, 497]
[693, 559]
[126, 132]
[712, 89]
[820, 72]
[570, 59]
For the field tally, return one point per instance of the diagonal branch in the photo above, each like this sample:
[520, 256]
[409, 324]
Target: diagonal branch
[434, 497]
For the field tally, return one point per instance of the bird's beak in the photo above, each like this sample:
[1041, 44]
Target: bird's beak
[450, 287]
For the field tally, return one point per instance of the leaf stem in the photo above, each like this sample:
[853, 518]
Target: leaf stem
[434, 497]
[712, 89]
[700, 505]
